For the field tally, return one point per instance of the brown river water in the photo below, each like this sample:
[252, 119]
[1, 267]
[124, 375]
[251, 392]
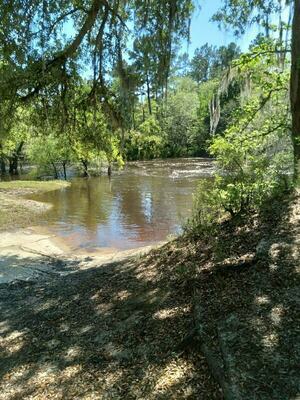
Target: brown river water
[141, 205]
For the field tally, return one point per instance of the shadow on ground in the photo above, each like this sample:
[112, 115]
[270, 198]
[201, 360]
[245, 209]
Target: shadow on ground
[104, 333]
[248, 305]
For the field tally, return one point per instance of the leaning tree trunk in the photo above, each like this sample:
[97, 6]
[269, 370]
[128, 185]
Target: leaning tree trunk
[85, 168]
[295, 79]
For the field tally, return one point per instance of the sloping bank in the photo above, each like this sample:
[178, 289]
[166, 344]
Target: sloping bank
[191, 320]
[76, 328]
[246, 304]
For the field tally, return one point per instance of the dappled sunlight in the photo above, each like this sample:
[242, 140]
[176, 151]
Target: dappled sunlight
[277, 313]
[262, 300]
[122, 295]
[99, 333]
[253, 305]
[171, 312]
[270, 340]
[73, 353]
[171, 375]
[165, 264]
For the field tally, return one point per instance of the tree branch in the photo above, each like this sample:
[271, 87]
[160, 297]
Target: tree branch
[69, 50]
[86, 27]
[65, 15]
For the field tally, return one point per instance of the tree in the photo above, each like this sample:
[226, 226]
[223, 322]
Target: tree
[223, 57]
[209, 62]
[13, 139]
[146, 142]
[201, 63]
[240, 14]
[179, 120]
[37, 55]
[50, 153]
[295, 79]
[254, 155]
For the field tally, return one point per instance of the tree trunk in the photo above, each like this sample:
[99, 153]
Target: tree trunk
[14, 160]
[2, 162]
[13, 166]
[267, 25]
[109, 170]
[2, 167]
[149, 96]
[54, 170]
[65, 170]
[295, 79]
[85, 168]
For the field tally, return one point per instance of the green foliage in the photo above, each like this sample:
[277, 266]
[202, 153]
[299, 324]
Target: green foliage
[240, 14]
[207, 210]
[180, 120]
[209, 62]
[254, 157]
[50, 154]
[145, 143]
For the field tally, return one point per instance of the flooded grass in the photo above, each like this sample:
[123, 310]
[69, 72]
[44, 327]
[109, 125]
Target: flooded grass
[17, 211]
[28, 186]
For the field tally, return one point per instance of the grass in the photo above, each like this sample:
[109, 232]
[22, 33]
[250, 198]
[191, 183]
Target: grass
[44, 186]
[18, 212]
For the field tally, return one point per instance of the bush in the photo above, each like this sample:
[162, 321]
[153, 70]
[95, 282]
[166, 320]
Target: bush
[146, 143]
[254, 157]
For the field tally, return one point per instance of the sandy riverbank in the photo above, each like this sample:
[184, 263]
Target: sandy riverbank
[172, 324]
[29, 254]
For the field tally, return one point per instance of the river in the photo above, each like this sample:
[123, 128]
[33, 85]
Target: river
[141, 205]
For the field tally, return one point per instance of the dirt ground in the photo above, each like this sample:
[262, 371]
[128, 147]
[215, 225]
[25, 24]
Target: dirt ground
[180, 322]
[100, 332]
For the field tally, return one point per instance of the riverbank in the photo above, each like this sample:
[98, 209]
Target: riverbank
[15, 210]
[82, 329]
[180, 322]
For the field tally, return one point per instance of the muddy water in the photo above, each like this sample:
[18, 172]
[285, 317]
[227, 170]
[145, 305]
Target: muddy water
[139, 206]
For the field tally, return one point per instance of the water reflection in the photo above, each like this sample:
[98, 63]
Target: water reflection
[139, 206]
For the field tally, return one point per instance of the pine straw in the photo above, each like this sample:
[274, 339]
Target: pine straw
[247, 304]
[121, 331]
[112, 332]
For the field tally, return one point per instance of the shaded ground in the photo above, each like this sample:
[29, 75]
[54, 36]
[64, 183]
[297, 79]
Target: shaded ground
[121, 330]
[246, 303]
[246, 299]
[111, 332]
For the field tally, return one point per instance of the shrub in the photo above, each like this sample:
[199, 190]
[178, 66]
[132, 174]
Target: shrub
[254, 157]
